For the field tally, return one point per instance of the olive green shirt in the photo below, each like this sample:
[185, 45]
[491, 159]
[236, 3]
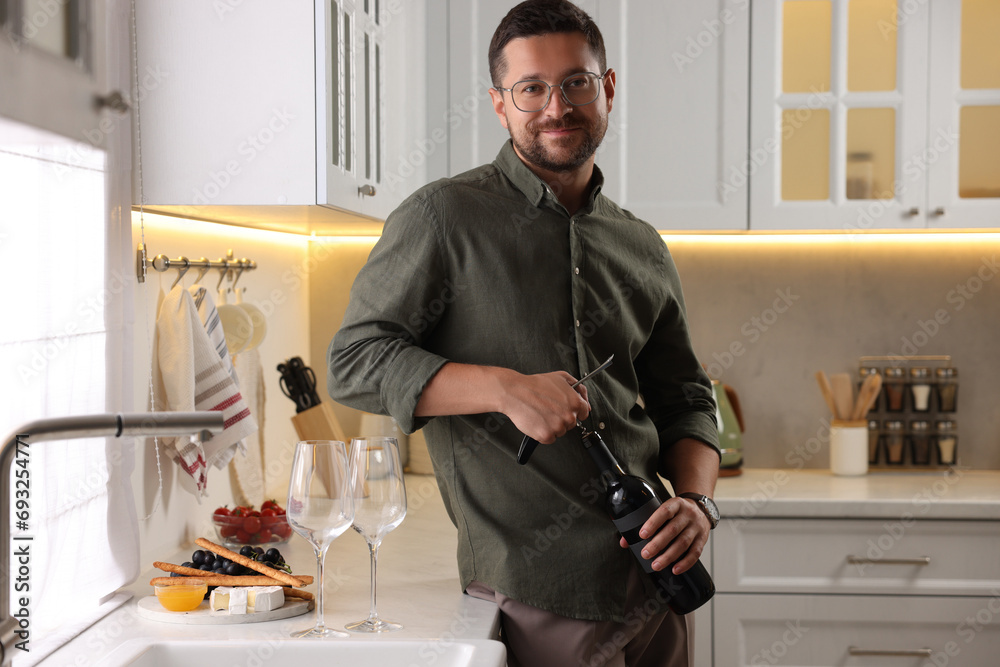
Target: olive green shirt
[489, 268]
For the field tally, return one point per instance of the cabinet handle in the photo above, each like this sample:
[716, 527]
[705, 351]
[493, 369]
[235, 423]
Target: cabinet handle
[367, 190]
[906, 652]
[858, 560]
[911, 212]
[115, 101]
[939, 211]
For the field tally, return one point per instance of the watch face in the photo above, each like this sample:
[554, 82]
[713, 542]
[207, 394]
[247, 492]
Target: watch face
[711, 508]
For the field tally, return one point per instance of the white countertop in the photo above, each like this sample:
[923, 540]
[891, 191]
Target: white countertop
[418, 587]
[940, 494]
[418, 574]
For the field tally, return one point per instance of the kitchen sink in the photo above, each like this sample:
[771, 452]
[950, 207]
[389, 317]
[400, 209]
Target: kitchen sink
[299, 652]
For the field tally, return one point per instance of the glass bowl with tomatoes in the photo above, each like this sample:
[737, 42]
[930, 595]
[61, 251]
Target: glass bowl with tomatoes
[245, 525]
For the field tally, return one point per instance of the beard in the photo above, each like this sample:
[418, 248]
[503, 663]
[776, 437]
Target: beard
[563, 157]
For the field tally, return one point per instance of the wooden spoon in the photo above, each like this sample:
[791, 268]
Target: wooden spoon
[867, 396]
[843, 395]
[824, 386]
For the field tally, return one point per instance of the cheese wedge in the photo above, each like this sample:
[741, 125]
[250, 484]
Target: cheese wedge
[265, 598]
[233, 600]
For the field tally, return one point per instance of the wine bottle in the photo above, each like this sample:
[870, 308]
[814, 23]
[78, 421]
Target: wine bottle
[630, 500]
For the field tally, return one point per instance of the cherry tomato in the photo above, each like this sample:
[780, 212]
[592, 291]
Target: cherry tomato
[242, 536]
[251, 524]
[228, 531]
[268, 504]
[283, 530]
[253, 513]
[239, 510]
[263, 536]
[268, 518]
[280, 511]
[222, 511]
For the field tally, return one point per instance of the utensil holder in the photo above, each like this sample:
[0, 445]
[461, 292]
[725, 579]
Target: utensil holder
[849, 448]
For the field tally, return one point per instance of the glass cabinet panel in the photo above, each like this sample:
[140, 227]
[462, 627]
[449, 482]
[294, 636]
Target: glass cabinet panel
[979, 152]
[805, 154]
[806, 38]
[871, 45]
[980, 55]
[871, 153]
[52, 26]
[348, 66]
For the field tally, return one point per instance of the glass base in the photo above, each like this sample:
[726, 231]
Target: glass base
[319, 633]
[373, 625]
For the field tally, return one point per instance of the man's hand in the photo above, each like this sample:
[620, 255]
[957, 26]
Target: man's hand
[542, 406]
[679, 530]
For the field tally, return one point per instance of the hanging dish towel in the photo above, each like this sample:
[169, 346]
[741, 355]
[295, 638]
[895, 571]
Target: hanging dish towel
[209, 315]
[246, 472]
[188, 374]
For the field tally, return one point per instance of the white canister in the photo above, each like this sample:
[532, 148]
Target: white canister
[849, 448]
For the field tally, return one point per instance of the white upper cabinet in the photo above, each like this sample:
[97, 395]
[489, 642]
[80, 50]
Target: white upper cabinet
[675, 153]
[281, 107]
[676, 145]
[874, 114]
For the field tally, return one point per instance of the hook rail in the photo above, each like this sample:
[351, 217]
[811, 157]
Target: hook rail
[227, 265]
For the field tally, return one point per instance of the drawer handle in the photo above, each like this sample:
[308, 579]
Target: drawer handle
[857, 560]
[911, 653]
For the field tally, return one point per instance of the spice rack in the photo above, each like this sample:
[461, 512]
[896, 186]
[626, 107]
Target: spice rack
[912, 425]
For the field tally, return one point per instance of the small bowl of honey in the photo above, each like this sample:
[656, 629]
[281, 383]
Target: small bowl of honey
[182, 597]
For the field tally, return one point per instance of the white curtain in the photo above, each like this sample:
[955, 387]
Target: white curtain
[65, 347]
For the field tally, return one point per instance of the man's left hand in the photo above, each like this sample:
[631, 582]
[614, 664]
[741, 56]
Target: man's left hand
[679, 530]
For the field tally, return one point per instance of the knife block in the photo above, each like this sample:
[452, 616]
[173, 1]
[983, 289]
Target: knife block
[319, 423]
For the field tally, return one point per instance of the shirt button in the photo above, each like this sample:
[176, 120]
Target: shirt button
[577, 270]
[600, 425]
[578, 323]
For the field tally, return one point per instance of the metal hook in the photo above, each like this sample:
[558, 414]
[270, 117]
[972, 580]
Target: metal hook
[223, 270]
[203, 270]
[244, 265]
[181, 271]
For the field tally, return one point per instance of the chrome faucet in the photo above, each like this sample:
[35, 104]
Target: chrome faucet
[75, 428]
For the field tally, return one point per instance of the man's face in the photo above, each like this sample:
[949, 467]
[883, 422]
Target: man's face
[561, 137]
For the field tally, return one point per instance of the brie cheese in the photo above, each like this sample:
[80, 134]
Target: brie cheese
[226, 598]
[265, 598]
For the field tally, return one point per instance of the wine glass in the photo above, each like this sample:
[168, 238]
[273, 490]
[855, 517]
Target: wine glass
[380, 505]
[320, 508]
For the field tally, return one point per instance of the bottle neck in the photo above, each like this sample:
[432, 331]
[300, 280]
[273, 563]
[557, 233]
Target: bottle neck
[610, 470]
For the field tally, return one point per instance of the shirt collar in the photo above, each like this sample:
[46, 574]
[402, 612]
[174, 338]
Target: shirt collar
[534, 188]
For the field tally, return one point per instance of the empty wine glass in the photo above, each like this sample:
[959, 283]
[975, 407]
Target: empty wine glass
[380, 505]
[320, 508]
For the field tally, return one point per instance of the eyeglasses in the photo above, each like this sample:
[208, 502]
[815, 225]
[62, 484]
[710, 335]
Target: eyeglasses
[578, 90]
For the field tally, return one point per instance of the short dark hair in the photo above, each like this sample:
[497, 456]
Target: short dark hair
[542, 17]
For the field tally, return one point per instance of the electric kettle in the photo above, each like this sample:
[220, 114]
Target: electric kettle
[729, 417]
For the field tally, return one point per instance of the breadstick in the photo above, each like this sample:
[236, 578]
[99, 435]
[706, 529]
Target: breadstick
[223, 580]
[180, 569]
[246, 562]
[297, 593]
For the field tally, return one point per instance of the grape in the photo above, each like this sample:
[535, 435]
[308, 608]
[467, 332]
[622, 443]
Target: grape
[198, 557]
[205, 568]
[273, 555]
[247, 551]
[208, 558]
[189, 564]
[175, 574]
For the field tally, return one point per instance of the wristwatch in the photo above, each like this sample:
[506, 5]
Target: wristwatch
[707, 506]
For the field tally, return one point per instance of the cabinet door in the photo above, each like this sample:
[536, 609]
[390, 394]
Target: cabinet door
[675, 153]
[53, 67]
[848, 631]
[963, 139]
[838, 115]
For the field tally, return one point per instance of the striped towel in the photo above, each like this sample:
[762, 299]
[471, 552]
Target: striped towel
[189, 374]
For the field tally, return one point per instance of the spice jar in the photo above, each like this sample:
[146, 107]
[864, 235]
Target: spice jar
[947, 389]
[894, 442]
[894, 389]
[864, 372]
[920, 389]
[874, 440]
[947, 442]
[920, 443]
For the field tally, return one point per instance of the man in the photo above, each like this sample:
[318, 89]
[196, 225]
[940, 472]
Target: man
[486, 296]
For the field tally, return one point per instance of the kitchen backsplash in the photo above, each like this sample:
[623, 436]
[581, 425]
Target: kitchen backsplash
[767, 312]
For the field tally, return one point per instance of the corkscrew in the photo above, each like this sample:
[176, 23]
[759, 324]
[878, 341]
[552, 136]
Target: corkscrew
[528, 444]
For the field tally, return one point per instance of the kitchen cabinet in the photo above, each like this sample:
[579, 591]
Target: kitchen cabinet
[874, 115]
[677, 131]
[292, 113]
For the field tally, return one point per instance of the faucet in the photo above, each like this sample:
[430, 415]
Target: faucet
[75, 428]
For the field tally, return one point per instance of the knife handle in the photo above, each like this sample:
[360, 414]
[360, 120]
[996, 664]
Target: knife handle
[526, 450]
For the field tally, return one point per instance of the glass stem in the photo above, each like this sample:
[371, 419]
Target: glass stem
[373, 550]
[320, 617]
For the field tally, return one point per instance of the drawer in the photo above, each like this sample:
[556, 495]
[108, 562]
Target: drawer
[847, 631]
[896, 556]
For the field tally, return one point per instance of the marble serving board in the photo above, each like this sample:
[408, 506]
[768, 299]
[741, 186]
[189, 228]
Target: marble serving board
[149, 607]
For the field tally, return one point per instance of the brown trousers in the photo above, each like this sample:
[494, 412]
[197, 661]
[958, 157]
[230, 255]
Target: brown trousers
[538, 638]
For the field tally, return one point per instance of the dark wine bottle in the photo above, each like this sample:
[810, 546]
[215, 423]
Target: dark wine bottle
[630, 500]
